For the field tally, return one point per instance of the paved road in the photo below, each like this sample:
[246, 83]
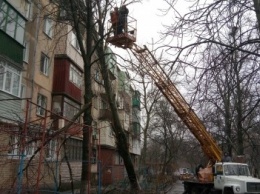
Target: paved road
[177, 188]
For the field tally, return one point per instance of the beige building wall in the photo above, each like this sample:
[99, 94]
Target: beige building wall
[106, 134]
[64, 44]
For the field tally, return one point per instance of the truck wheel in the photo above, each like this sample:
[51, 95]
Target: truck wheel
[228, 191]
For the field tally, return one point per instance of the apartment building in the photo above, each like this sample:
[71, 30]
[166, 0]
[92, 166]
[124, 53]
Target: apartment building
[41, 89]
[128, 102]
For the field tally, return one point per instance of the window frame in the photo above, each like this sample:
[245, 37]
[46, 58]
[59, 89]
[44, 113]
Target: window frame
[28, 9]
[74, 149]
[75, 76]
[48, 26]
[11, 76]
[74, 41]
[51, 150]
[41, 104]
[13, 20]
[13, 149]
[70, 108]
[30, 149]
[44, 64]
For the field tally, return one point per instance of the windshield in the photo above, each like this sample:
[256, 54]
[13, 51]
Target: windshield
[236, 169]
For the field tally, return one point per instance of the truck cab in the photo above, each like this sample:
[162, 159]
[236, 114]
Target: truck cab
[230, 177]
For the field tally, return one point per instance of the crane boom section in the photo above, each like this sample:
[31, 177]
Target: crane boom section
[181, 107]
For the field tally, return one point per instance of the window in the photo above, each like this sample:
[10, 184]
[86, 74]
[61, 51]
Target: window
[120, 102]
[30, 148]
[94, 128]
[44, 66]
[111, 132]
[26, 52]
[93, 157]
[50, 151]
[13, 148]
[70, 108]
[15, 143]
[10, 79]
[75, 76]
[74, 149]
[42, 105]
[28, 9]
[74, 41]
[103, 104]
[12, 22]
[62, 13]
[118, 159]
[48, 30]
[97, 75]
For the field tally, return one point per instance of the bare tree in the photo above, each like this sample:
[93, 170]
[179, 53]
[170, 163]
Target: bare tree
[168, 132]
[221, 58]
[88, 19]
[150, 98]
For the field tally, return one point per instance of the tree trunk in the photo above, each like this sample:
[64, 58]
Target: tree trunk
[121, 139]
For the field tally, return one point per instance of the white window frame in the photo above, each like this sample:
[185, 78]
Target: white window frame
[75, 76]
[74, 41]
[28, 9]
[70, 108]
[30, 149]
[42, 104]
[120, 102]
[13, 149]
[44, 64]
[50, 151]
[48, 26]
[10, 79]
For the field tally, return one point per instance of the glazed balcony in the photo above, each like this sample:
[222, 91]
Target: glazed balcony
[10, 48]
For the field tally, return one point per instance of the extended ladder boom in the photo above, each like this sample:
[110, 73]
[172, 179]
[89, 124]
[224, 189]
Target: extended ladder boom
[182, 108]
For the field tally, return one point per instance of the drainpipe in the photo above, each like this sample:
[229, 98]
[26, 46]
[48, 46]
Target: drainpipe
[32, 72]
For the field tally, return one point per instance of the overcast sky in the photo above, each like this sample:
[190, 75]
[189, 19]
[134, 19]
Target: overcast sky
[149, 20]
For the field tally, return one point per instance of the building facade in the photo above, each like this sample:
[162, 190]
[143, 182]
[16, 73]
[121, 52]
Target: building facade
[41, 90]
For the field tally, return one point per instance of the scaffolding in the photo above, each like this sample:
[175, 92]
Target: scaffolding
[33, 154]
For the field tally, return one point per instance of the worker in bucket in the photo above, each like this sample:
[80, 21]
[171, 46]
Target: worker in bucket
[114, 20]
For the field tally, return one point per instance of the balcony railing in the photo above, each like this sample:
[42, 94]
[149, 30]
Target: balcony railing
[11, 48]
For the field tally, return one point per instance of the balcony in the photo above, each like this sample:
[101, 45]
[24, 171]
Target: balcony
[105, 114]
[61, 81]
[136, 128]
[10, 48]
